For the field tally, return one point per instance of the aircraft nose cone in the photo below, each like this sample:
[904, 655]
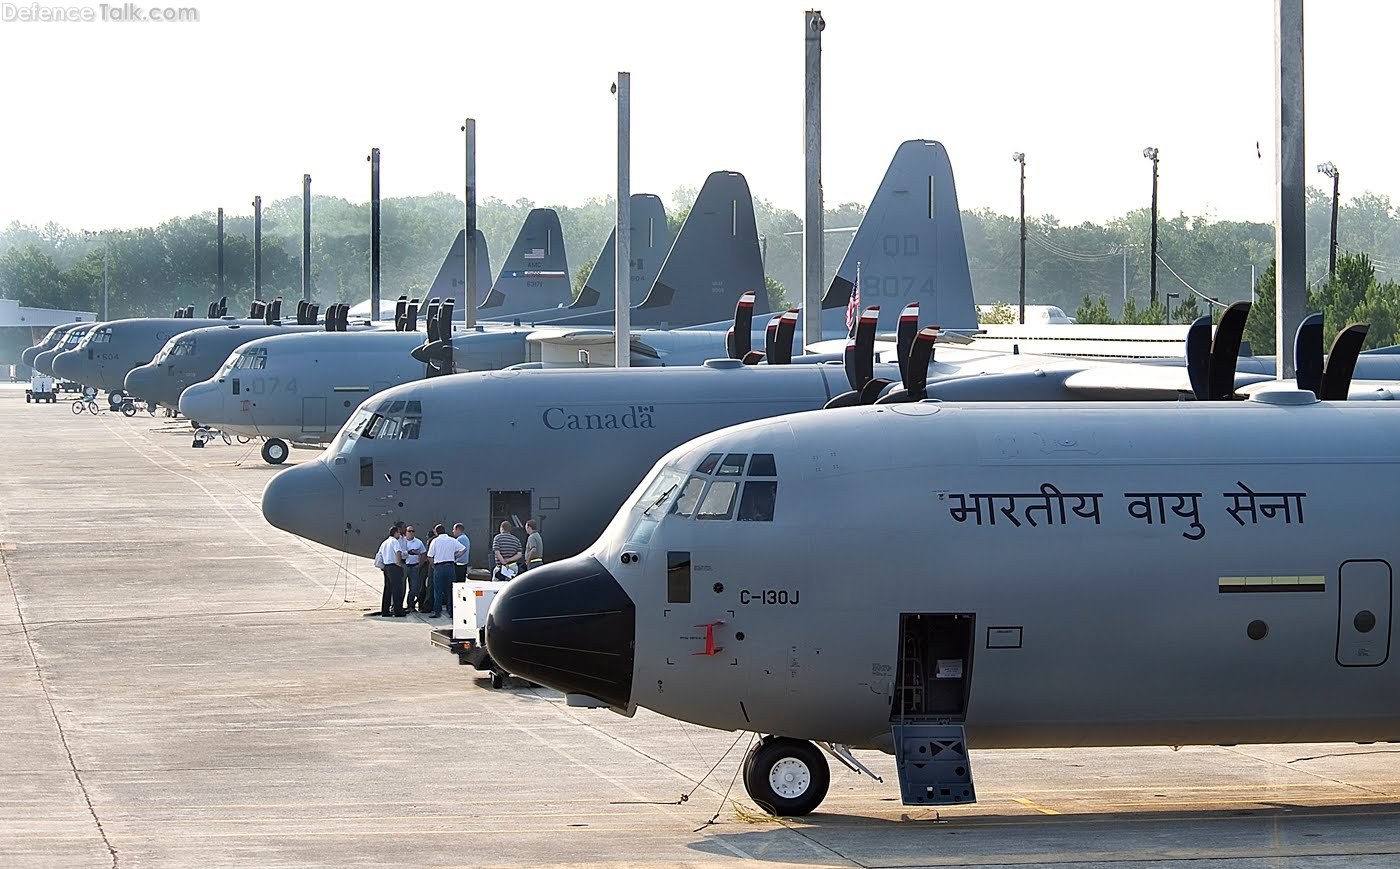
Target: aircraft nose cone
[201, 402]
[30, 354]
[67, 365]
[307, 500]
[140, 381]
[568, 625]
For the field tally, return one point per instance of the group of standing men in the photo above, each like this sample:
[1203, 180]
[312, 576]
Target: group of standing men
[405, 560]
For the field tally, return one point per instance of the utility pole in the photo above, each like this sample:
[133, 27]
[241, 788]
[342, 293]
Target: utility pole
[373, 159]
[1290, 219]
[257, 248]
[1330, 170]
[622, 234]
[306, 237]
[813, 238]
[1151, 154]
[220, 289]
[1020, 157]
[469, 292]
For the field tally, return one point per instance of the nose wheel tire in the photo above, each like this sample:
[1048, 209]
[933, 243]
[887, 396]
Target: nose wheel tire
[274, 451]
[786, 777]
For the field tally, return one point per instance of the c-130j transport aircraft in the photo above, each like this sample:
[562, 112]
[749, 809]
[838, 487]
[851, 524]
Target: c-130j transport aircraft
[1052, 575]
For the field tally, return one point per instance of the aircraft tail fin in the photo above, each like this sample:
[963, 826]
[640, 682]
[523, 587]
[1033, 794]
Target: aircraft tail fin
[714, 261]
[450, 280]
[909, 246]
[651, 238]
[536, 273]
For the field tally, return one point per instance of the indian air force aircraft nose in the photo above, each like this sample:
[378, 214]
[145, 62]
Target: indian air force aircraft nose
[1091, 574]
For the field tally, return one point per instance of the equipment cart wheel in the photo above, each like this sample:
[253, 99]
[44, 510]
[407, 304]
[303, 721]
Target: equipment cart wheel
[786, 777]
[274, 451]
[128, 408]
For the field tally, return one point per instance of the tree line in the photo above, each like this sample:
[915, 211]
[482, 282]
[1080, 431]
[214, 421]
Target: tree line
[1098, 270]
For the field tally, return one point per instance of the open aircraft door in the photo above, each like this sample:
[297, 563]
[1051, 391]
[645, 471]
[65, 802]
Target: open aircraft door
[1363, 620]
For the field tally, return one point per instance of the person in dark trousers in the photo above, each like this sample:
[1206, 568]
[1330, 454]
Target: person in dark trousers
[414, 556]
[534, 546]
[443, 552]
[390, 559]
[505, 551]
[464, 557]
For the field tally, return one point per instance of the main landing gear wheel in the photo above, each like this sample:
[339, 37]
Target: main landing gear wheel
[786, 777]
[115, 399]
[274, 451]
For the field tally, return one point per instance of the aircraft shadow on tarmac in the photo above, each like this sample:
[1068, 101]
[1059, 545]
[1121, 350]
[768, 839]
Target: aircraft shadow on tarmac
[1226, 834]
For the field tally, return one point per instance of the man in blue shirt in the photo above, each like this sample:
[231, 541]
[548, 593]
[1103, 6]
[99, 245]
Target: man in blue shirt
[465, 558]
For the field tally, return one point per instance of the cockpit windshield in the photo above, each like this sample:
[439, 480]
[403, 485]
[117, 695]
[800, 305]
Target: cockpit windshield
[350, 432]
[100, 336]
[75, 336]
[251, 357]
[395, 420]
[175, 347]
[724, 486]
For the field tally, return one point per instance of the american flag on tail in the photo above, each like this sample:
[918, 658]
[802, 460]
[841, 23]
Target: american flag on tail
[853, 306]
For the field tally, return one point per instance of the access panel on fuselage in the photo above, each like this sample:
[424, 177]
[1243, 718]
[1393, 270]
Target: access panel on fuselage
[1363, 621]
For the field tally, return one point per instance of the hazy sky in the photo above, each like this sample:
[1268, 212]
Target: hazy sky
[117, 124]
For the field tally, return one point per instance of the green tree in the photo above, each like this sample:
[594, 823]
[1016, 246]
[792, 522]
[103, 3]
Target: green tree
[1094, 309]
[582, 272]
[777, 294]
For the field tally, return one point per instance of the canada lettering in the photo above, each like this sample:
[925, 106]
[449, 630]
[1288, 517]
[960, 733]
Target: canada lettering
[637, 416]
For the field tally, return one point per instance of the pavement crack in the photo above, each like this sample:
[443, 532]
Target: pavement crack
[53, 711]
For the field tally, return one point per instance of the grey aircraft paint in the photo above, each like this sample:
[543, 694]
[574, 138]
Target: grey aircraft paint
[578, 440]
[909, 246]
[651, 239]
[535, 274]
[50, 341]
[1122, 574]
[694, 285]
[447, 284]
[43, 363]
[109, 352]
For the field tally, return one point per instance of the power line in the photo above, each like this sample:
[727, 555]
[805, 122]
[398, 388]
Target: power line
[1193, 290]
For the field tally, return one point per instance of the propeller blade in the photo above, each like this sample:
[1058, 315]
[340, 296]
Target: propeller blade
[1225, 351]
[210, 312]
[740, 338]
[223, 306]
[920, 355]
[1341, 362]
[267, 314]
[753, 357]
[870, 393]
[401, 314]
[770, 338]
[848, 364]
[1198, 357]
[904, 338]
[313, 312]
[1307, 354]
[845, 399]
[301, 312]
[277, 309]
[410, 316]
[445, 319]
[253, 312]
[189, 312]
[782, 342]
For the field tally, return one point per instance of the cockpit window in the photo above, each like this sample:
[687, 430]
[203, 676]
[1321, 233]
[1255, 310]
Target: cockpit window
[756, 505]
[762, 465]
[708, 466]
[732, 466]
[76, 336]
[661, 488]
[175, 347]
[690, 495]
[345, 441]
[101, 336]
[396, 420]
[252, 358]
[718, 502]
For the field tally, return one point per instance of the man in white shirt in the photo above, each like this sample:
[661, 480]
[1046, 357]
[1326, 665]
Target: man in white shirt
[443, 552]
[390, 558]
[413, 559]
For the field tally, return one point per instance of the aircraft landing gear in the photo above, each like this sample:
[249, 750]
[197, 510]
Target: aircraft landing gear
[274, 451]
[115, 398]
[785, 776]
[128, 408]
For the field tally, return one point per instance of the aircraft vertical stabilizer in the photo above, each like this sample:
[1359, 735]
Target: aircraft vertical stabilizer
[449, 283]
[910, 247]
[536, 274]
[714, 261]
[651, 238]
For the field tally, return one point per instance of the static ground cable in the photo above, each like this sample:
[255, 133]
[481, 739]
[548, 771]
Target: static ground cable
[734, 778]
[58, 722]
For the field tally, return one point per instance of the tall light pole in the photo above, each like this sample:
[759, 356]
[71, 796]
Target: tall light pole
[257, 248]
[1020, 157]
[813, 239]
[373, 159]
[102, 234]
[306, 237]
[1151, 154]
[469, 287]
[1330, 170]
[622, 231]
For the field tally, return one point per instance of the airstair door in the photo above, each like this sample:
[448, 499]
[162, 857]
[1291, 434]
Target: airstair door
[1363, 621]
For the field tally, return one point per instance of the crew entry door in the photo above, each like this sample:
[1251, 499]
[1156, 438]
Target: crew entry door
[313, 414]
[513, 506]
[1363, 622]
